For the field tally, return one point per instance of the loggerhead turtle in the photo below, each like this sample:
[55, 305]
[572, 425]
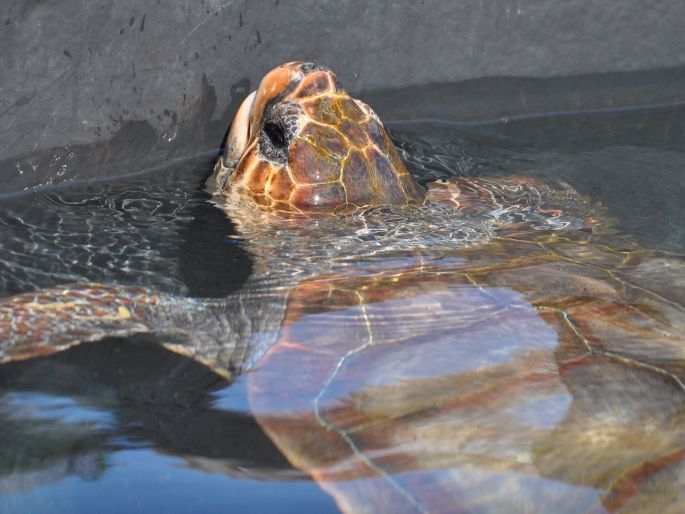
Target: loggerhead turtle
[478, 346]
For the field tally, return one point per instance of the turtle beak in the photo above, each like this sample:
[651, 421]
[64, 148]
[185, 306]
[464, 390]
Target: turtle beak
[238, 135]
[234, 146]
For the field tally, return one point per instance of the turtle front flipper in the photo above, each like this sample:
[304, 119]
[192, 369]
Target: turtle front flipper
[513, 201]
[52, 320]
[221, 334]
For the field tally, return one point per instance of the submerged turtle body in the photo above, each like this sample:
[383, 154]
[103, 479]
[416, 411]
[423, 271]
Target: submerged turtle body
[476, 383]
[481, 346]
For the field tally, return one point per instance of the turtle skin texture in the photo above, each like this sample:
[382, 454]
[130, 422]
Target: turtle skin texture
[311, 148]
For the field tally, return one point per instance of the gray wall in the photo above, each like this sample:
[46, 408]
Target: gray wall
[100, 87]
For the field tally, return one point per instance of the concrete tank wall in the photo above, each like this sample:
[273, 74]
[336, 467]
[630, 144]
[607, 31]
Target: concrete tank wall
[96, 88]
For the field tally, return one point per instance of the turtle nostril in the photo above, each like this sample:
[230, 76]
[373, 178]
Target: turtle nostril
[275, 133]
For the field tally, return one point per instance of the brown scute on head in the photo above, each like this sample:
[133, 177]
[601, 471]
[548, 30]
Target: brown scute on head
[310, 164]
[351, 110]
[376, 134]
[311, 148]
[257, 176]
[387, 181]
[327, 138]
[354, 134]
[281, 185]
[308, 68]
[314, 85]
[325, 109]
[355, 179]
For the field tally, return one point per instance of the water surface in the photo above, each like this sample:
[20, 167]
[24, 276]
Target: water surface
[121, 426]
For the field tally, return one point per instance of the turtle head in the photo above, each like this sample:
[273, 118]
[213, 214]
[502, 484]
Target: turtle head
[301, 143]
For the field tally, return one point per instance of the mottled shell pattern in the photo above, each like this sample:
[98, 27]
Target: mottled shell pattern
[300, 143]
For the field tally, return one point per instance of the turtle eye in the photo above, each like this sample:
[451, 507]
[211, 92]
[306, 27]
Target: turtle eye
[273, 141]
[279, 126]
[276, 134]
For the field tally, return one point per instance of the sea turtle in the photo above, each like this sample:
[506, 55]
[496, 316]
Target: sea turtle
[475, 346]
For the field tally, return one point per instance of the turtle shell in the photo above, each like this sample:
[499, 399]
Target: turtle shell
[541, 372]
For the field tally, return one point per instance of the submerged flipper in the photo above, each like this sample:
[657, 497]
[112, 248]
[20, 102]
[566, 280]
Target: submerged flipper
[51, 320]
[519, 200]
[227, 335]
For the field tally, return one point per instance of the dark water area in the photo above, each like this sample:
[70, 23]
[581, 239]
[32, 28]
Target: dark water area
[121, 426]
[630, 160]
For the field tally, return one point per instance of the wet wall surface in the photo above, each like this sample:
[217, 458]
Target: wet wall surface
[95, 88]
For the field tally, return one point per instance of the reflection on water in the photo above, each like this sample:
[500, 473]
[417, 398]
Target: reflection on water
[144, 480]
[443, 388]
[129, 417]
[432, 361]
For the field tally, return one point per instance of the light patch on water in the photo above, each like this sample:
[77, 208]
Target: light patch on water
[29, 406]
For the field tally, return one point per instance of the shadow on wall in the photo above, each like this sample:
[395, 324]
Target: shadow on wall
[135, 145]
[96, 88]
